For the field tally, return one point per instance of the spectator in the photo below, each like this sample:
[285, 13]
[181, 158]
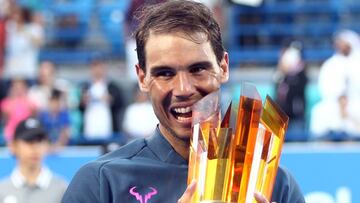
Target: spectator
[48, 80]
[339, 85]
[24, 39]
[140, 111]
[16, 107]
[31, 181]
[103, 99]
[290, 83]
[335, 121]
[40, 92]
[340, 72]
[56, 120]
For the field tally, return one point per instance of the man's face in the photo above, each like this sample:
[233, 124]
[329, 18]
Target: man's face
[179, 72]
[98, 70]
[343, 47]
[30, 154]
[46, 73]
[54, 105]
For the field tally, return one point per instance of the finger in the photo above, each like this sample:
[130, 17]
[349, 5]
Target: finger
[189, 192]
[260, 198]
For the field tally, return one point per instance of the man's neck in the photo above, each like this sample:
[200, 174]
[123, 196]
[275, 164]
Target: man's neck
[179, 145]
[182, 148]
[30, 174]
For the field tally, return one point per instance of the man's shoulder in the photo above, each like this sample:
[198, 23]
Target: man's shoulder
[6, 185]
[283, 174]
[6, 188]
[286, 188]
[5, 181]
[59, 181]
[125, 152]
[90, 176]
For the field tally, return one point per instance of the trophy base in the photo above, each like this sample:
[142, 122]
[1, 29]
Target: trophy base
[212, 201]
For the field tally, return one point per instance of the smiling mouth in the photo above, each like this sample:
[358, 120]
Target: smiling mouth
[182, 114]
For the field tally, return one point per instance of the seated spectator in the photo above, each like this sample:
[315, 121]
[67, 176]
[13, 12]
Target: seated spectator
[31, 181]
[140, 111]
[16, 107]
[56, 121]
[342, 125]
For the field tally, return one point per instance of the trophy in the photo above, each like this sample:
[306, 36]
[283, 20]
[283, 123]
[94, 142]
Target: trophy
[233, 156]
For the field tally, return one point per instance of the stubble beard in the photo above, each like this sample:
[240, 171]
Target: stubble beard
[185, 140]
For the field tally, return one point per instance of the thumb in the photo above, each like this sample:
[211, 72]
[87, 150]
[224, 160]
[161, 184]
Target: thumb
[260, 198]
[189, 192]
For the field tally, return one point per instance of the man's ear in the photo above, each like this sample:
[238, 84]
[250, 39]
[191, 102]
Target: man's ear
[143, 85]
[11, 146]
[224, 68]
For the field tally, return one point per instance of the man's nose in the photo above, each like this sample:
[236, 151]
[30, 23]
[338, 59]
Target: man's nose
[183, 85]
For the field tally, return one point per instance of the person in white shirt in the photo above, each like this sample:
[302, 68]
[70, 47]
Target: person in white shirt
[100, 98]
[23, 42]
[339, 87]
[140, 112]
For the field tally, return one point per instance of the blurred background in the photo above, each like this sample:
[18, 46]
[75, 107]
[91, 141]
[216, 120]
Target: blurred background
[71, 62]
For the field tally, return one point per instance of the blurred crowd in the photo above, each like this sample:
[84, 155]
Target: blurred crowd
[91, 112]
[336, 117]
[99, 111]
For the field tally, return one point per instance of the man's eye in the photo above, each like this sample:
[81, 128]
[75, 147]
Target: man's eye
[165, 74]
[197, 69]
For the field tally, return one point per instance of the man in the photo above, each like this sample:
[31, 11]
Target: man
[181, 59]
[101, 98]
[336, 115]
[30, 181]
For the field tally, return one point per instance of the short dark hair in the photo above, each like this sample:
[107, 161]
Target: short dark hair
[30, 130]
[56, 94]
[172, 16]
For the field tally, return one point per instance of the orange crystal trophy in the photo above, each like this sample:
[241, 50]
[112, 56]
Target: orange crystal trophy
[266, 152]
[276, 123]
[210, 161]
[205, 113]
[230, 165]
[246, 130]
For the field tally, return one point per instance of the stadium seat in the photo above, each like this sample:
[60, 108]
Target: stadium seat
[111, 17]
[258, 33]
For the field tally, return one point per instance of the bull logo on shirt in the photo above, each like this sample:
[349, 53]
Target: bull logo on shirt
[141, 198]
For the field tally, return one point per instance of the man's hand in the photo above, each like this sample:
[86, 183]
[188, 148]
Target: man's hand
[260, 198]
[189, 192]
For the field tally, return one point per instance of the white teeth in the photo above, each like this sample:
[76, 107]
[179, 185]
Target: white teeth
[183, 119]
[182, 110]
